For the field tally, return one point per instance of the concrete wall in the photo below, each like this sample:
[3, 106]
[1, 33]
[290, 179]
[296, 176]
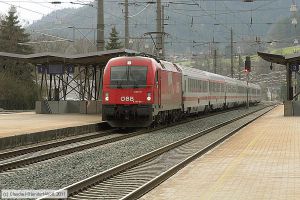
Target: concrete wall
[32, 138]
[288, 108]
[91, 107]
[59, 107]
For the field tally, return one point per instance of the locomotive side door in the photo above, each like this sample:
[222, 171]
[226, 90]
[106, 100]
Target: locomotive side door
[157, 88]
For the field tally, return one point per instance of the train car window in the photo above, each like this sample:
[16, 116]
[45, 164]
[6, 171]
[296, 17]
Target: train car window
[193, 85]
[137, 75]
[118, 73]
[200, 86]
[128, 76]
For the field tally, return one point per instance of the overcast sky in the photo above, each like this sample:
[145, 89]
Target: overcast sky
[31, 10]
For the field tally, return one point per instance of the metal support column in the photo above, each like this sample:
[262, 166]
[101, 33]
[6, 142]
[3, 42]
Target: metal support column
[100, 26]
[247, 90]
[126, 25]
[289, 83]
[158, 28]
[231, 52]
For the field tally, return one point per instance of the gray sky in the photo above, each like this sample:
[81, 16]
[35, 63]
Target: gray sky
[31, 10]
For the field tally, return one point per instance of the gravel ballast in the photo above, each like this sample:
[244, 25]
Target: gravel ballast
[62, 171]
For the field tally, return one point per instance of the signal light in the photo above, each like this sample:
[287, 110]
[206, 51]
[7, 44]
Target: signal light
[248, 64]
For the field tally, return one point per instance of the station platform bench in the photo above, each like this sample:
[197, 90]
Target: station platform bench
[261, 161]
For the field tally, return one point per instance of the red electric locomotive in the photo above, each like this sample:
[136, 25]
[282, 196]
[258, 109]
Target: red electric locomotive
[140, 90]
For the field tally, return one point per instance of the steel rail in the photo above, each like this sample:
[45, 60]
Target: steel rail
[98, 178]
[52, 144]
[167, 174]
[4, 154]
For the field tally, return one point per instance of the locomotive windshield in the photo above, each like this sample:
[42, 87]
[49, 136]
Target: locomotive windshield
[128, 76]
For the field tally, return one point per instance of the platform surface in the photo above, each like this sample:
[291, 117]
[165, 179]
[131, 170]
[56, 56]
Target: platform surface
[30, 122]
[262, 161]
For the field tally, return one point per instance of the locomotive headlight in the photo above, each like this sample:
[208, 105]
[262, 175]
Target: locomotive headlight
[148, 96]
[106, 96]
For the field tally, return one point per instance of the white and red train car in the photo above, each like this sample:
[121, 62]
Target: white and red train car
[139, 91]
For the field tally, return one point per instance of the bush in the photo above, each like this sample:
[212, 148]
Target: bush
[17, 95]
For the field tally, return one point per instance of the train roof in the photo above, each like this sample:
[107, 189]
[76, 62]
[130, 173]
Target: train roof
[192, 72]
[169, 66]
[197, 73]
[216, 77]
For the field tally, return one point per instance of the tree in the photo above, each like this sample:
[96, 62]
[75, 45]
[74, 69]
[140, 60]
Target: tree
[114, 42]
[17, 88]
[12, 35]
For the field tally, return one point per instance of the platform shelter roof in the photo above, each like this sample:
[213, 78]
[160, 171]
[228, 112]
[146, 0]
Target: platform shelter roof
[93, 58]
[280, 59]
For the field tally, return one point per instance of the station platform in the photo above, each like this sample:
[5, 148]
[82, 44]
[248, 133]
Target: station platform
[12, 124]
[26, 128]
[261, 161]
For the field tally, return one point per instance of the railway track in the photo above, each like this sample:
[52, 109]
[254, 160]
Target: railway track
[9, 153]
[26, 155]
[134, 178]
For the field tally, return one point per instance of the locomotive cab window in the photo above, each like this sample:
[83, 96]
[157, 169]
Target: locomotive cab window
[128, 76]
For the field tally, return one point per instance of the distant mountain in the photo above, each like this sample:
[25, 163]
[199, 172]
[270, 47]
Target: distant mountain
[185, 22]
[284, 33]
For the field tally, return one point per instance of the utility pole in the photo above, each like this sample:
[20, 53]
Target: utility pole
[100, 26]
[231, 48]
[163, 31]
[247, 89]
[214, 55]
[158, 27]
[240, 65]
[126, 25]
[215, 60]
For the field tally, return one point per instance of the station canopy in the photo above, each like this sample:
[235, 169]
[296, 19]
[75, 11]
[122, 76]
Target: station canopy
[280, 59]
[94, 58]
[64, 77]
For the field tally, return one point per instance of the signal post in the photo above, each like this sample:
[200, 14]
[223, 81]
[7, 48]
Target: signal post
[247, 70]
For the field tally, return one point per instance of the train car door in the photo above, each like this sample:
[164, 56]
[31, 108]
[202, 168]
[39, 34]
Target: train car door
[157, 94]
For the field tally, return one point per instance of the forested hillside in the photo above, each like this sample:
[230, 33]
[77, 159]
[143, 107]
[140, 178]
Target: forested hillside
[188, 25]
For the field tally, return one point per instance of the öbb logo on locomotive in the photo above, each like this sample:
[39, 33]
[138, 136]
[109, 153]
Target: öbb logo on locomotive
[127, 99]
